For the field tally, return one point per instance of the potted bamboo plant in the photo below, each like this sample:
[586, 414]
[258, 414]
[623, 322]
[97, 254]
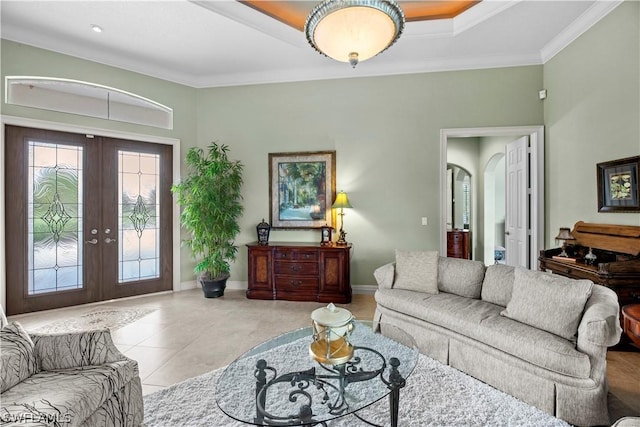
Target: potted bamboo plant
[211, 205]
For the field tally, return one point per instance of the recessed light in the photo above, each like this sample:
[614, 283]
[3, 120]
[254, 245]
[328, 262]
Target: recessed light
[96, 28]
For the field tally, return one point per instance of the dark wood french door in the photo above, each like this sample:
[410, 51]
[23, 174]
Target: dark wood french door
[88, 218]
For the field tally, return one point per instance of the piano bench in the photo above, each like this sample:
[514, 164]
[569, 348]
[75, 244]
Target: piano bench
[631, 320]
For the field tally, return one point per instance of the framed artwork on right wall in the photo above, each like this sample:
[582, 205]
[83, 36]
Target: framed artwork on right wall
[618, 189]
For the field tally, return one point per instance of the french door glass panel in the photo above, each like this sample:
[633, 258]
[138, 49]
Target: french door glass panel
[138, 216]
[55, 174]
[87, 218]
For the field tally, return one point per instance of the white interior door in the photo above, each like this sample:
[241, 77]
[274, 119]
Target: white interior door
[516, 213]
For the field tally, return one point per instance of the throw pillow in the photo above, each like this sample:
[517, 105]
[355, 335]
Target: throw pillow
[417, 271]
[498, 284]
[17, 358]
[547, 301]
[460, 276]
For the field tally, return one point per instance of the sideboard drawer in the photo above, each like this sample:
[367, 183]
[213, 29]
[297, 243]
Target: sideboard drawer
[297, 268]
[293, 283]
[296, 255]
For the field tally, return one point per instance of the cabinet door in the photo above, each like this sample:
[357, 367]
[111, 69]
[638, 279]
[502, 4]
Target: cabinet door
[334, 277]
[260, 284]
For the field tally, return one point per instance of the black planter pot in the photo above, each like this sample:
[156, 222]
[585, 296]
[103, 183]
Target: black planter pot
[213, 288]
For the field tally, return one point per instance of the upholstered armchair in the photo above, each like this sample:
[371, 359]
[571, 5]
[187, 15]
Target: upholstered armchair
[68, 379]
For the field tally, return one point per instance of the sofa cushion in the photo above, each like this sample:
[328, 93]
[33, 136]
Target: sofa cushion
[17, 358]
[547, 301]
[481, 321]
[460, 276]
[384, 275]
[498, 284]
[417, 271]
[68, 395]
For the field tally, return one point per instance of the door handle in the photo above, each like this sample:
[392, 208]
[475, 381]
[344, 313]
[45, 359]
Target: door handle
[109, 240]
[92, 241]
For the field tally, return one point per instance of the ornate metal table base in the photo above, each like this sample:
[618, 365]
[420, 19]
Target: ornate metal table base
[331, 386]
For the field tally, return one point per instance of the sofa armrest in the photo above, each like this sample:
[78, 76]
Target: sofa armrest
[600, 323]
[384, 275]
[76, 349]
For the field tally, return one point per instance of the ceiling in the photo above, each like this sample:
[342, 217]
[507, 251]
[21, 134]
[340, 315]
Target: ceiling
[208, 43]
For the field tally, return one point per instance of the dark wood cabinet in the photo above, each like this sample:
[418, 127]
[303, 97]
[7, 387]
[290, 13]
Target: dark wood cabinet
[459, 244]
[299, 272]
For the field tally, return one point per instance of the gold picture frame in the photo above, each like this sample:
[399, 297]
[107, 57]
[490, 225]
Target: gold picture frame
[302, 187]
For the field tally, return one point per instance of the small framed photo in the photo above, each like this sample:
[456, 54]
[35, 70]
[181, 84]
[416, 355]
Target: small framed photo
[325, 236]
[618, 189]
[302, 187]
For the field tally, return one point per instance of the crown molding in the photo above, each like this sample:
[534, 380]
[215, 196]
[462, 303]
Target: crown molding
[588, 19]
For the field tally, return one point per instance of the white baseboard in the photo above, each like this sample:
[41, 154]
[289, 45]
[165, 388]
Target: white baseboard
[242, 285]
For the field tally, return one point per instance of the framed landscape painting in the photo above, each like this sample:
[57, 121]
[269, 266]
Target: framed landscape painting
[618, 189]
[301, 189]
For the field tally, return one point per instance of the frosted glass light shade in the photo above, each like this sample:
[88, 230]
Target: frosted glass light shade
[354, 30]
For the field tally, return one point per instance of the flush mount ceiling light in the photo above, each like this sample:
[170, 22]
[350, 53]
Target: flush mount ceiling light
[96, 28]
[354, 30]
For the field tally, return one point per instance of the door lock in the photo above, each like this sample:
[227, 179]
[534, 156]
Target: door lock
[109, 240]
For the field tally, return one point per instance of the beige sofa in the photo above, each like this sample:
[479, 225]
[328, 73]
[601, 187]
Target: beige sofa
[70, 379]
[539, 337]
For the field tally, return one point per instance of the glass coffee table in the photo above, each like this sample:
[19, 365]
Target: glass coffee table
[278, 383]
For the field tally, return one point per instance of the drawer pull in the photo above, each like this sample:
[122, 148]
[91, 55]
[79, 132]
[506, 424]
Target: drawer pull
[295, 268]
[295, 282]
[283, 255]
[635, 295]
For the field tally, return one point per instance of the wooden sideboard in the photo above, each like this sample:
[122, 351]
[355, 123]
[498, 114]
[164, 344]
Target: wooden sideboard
[459, 244]
[299, 272]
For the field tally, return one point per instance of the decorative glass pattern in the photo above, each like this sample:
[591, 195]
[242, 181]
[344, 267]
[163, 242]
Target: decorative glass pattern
[138, 216]
[56, 217]
[55, 173]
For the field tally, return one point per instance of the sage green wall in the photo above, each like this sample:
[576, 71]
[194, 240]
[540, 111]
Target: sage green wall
[386, 132]
[23, 60]
[591, 115]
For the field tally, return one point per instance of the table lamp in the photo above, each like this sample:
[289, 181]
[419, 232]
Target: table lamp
[342, 201]
[564, 234]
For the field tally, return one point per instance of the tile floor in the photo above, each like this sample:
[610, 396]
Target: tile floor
[188, 335]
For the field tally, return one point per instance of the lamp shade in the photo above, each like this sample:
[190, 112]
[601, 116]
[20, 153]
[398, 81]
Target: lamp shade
[354, 30]
[565, 234]
[342, 201]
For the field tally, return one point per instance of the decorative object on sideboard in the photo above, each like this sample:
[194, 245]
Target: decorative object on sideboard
[325, 235]
[263, 230]
[590, 258]
[354, 30]
[332, 327]
[301, 188]
[619, 185]
[342, 201]
[564, 234]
